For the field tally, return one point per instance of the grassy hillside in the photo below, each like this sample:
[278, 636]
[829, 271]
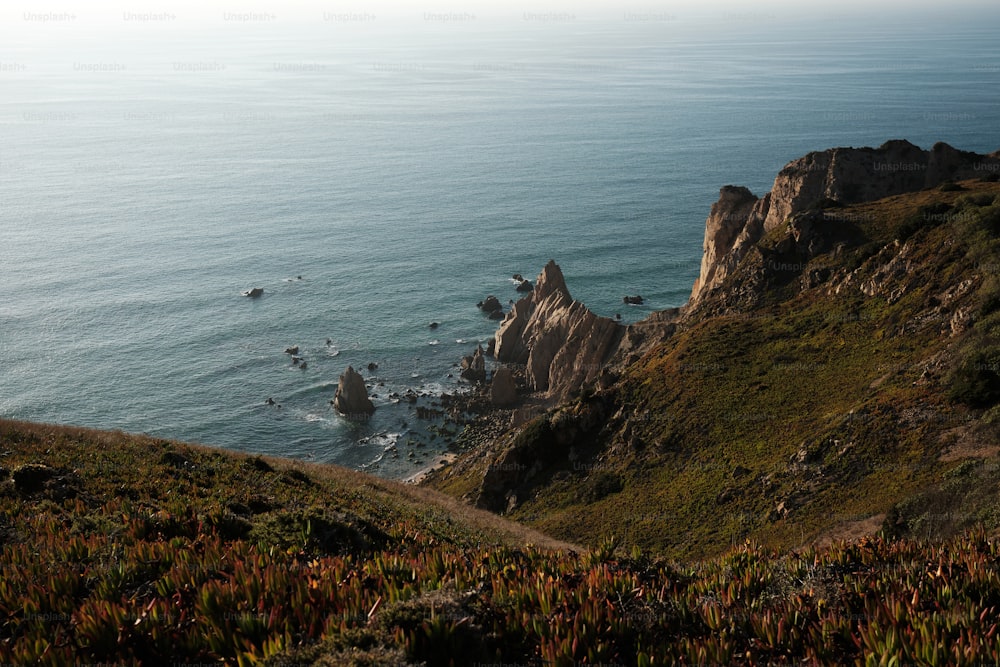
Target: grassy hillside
[814, 396]
[122, 545]
[121, 549]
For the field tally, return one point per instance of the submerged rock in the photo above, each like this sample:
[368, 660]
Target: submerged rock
[351, 399]
[254, 293]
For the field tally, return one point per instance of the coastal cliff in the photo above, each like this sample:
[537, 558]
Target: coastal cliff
[563, 346]
[844, 323]
[834, 177]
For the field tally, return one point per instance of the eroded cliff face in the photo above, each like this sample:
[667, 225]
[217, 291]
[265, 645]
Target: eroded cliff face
[564, 347]
[826, 338]
[561, 344]
[735, 223]
[739, 219]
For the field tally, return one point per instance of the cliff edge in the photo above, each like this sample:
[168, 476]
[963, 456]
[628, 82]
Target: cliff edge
[834, 177]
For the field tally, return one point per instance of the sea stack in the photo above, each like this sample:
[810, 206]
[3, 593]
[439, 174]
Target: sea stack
[561, 345]
[351, 399]
[474, 367]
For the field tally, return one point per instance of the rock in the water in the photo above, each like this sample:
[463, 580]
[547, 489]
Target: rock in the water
[562, 345]
[474, 367]
[525, 286]
[518, 277]
[497, 315]
[254, 293]
[293, 350]
[372, 366]
[503, 390]
[633, 300]
[351, 399]
[434, 325]
[490, 305]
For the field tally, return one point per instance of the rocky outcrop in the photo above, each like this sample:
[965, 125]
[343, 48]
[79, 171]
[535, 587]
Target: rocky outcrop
[474, 367]
[351, 399]
[490, 305]
[503, 389]
[562, 345]
[640, 335]
[739, 220]
[734, 223]
[528, 456]
[565, 347]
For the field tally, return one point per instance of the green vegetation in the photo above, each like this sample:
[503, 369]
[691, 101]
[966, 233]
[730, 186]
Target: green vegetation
[976, 380]
[120, 548]
[127, 550]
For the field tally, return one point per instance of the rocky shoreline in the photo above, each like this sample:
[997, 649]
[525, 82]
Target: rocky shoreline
[556, 349]
[550, 348]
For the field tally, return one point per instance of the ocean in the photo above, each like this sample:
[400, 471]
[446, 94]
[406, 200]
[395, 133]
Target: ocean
[376, 174]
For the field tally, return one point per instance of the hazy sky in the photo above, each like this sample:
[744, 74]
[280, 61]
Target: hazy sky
[14, 12]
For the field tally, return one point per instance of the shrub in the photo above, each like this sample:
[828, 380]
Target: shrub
[894, 525]
[538, 431]
[930, 215]
[861, 255]
[979, 199]
[989, 219]
[976, 380]
[990, 305]
[599, 485]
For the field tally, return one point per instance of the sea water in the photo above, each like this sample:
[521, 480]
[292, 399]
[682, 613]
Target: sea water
[376, 175]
